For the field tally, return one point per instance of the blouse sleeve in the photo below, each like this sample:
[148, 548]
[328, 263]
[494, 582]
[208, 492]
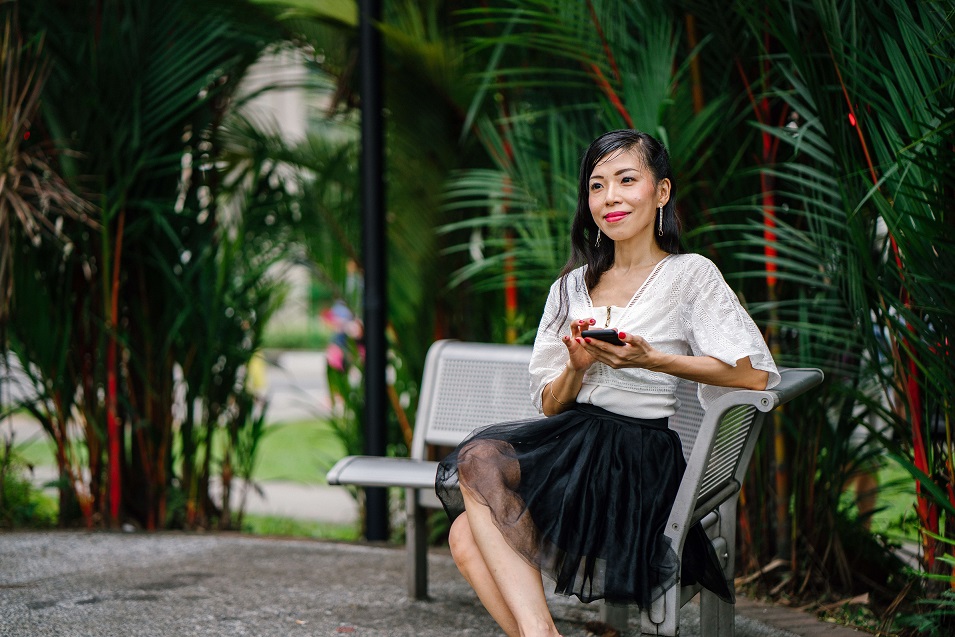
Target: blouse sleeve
[550, 354]
[718, 326]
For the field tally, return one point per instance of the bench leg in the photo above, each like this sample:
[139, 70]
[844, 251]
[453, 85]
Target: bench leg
[416, 542]
[717, 618]
[663, 616]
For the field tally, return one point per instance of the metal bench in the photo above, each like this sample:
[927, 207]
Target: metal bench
[467, 385]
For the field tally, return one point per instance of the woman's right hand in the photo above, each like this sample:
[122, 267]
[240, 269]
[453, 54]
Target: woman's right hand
[580, 359]
[560, 393]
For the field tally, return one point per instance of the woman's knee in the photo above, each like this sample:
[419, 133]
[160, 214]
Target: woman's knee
[487, 460]
[461, 541]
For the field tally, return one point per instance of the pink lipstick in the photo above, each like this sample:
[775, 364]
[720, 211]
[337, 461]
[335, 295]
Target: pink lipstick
[614, 216]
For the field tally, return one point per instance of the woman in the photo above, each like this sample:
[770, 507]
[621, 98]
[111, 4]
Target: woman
[583, 495]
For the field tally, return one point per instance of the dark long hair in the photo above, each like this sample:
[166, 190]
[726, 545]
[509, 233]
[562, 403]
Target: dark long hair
[583, 229]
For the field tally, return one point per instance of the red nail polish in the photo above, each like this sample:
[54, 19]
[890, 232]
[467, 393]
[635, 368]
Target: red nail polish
[592, 321]
[621, 335]
[587, 340]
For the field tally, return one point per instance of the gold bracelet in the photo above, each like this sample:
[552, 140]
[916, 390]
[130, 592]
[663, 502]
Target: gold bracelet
[554, 396]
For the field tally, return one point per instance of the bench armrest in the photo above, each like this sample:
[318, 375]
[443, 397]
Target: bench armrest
[795, 381]
[376, 471]
[687, 509]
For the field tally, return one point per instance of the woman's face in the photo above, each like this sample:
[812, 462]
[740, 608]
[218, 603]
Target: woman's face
[624, 196]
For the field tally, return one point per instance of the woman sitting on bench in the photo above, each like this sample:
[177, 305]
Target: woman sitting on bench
[583, 495]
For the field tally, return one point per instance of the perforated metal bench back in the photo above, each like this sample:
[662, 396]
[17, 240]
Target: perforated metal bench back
[473, 385]
[735, 427]
[686, 421]
[731, 436]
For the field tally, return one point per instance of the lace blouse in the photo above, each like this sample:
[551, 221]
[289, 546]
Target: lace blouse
[684, 307]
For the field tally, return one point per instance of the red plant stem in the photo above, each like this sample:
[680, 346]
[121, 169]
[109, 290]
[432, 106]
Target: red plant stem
[854, 118]
[112, 420]
[600, 34]
[510, 279]
[696, 80]
[747, 86]
[769, 207]
[604, 86]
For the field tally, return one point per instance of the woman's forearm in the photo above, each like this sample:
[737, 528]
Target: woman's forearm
[712, 371]
[561, 393]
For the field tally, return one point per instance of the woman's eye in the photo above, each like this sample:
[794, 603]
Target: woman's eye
[595, 186]
[627, 180]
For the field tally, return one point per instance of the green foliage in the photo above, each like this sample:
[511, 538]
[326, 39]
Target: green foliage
[21, 504]
[596, 66]
[167, 298]
[304, 338]
[290, 527]
[864, 229]
[933, 617]
[859, 123]
[298, 452]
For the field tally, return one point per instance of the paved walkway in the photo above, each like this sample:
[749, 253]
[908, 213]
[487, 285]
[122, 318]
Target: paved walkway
[78, 584]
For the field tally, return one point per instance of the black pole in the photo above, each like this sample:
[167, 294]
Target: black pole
[375, 300]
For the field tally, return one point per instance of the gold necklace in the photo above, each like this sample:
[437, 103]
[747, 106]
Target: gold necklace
[607, 324]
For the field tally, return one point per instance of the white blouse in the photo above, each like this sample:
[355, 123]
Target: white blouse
[684, 307]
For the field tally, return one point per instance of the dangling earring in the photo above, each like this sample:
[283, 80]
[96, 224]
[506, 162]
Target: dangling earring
[597, 242]
[660, 224]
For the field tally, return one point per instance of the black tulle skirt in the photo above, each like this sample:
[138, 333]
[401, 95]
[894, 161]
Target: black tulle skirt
[585, 496]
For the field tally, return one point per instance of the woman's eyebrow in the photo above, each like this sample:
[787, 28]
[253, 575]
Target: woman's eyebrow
[619, 172]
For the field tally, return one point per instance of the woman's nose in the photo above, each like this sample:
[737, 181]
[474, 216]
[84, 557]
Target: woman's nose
[611, 197]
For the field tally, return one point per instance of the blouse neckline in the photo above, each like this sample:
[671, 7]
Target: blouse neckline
[636, 295]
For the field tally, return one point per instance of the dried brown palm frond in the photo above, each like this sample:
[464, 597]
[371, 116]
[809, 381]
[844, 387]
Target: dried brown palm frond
[33, 197]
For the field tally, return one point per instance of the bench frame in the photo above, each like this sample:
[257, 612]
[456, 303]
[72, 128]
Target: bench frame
[721, 441]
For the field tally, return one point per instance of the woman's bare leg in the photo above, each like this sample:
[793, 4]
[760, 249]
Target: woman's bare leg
[509, 587]
[467, 556]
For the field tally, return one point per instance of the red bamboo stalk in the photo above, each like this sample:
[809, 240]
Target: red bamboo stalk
[606, 45]
[604, 86]
[112, 419]
[696, 81]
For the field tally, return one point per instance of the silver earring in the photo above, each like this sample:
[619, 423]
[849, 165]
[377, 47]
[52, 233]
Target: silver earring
[597, 242]
[660, 224]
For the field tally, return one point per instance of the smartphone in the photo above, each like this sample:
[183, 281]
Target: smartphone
[607, 335]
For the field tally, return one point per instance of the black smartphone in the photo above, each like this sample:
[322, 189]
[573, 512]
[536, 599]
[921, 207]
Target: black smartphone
[606, 335]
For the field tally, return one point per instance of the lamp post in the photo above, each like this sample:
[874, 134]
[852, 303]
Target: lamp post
[375, 309]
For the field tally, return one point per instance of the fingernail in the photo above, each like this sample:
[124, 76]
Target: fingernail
[577, 339]
[621, 335]
[587, 340]
[592, 321]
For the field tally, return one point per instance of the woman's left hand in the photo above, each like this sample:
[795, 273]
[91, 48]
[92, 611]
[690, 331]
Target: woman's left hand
[635, 352]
